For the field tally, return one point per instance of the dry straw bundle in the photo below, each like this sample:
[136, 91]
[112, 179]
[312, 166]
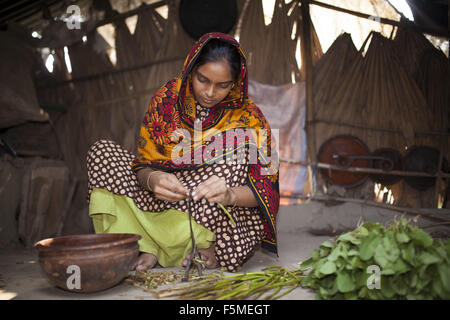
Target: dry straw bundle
[430, 69]
[149, 33]
[252, 38]
[374, 98]
[279, 62]
[409, 46]
[271, 50]
[175, 44]
[330, 68]
[295, 17]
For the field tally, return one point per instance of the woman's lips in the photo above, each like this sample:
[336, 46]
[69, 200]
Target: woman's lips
[207, 101]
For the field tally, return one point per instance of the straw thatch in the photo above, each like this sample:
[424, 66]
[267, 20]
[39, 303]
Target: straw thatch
[271, 50]
[174, 44]
[375, 98]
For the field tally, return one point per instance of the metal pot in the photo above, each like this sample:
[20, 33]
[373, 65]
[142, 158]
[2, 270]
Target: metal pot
[423, 159]
[344, 151]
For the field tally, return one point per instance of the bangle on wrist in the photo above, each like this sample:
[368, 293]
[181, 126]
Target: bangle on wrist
[148, 179]
[234, 196]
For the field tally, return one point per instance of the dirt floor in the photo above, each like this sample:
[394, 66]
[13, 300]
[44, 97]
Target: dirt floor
[21, 277]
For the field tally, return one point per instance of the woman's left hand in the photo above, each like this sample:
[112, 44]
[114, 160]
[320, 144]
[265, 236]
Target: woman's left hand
[215, 190]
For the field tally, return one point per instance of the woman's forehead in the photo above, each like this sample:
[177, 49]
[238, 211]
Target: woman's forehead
[216, 71]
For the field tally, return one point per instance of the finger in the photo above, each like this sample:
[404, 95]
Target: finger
[167, 195]
[215, 194]
[175, 185]
[169, 186]
[215, 199]
[212, 184]
[217, 191]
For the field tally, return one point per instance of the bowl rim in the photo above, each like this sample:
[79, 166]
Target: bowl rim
[43, 245]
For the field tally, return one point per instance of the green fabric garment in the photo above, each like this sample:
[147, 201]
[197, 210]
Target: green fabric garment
[165, 234]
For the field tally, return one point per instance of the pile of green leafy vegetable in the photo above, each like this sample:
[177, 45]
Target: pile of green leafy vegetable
[411, 264]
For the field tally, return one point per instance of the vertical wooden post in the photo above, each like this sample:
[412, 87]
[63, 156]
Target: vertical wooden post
[443, 150]
[307, 62]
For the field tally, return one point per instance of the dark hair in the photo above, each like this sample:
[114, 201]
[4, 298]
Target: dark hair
[217, 50]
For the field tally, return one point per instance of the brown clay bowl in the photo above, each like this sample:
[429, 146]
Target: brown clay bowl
[87, 263]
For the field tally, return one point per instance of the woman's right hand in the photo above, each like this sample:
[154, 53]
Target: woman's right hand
[166, 186]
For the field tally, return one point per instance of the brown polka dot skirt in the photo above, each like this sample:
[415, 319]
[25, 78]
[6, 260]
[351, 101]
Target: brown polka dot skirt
[109, 168]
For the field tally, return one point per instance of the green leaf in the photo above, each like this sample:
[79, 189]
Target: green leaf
[363, 232]
[368, 247]
[438, 288]
[344, 282]
[307, 264]
[339, 251]
[408, 254]
[327, 282]
[375, 294]
[324, 252]
[350, 295]
[372, 227]
[390, 247]
[328, 268]
[428, 258]
[387, 272]
[413, 279]
[356, 263]
[440, 250]
[380, 256]
[349, 237]
[363, 293]
[399, 286]
[386, 288]
[421, 237]
[444, 274]
[316, 255]
[402, 237]
[399, 266]
[360, 279]
[327, 244]
[317, 267]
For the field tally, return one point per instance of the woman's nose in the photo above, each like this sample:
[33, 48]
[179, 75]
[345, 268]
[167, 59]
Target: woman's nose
[210, 91]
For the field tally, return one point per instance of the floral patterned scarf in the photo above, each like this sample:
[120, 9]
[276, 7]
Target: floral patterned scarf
[170, 121]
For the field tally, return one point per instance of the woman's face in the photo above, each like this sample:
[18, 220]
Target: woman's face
[212, 82]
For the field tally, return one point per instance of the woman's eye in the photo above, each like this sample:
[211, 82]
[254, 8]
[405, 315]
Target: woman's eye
[225, 86]
[202, 80]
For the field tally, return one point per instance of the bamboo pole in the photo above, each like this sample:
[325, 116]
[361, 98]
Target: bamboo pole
[307, 62]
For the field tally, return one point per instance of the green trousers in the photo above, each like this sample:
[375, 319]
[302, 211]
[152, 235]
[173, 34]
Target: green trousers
[165, 234]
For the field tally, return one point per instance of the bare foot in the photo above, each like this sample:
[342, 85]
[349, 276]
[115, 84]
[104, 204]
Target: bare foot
[207, 255]
[145, 261]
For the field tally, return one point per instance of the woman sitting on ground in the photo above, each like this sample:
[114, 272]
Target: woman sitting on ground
[185, 166]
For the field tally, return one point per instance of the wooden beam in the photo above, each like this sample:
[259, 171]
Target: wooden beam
[427, 30]
[395, 131]
[107, 73]
[131, 13]
[330, 166]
